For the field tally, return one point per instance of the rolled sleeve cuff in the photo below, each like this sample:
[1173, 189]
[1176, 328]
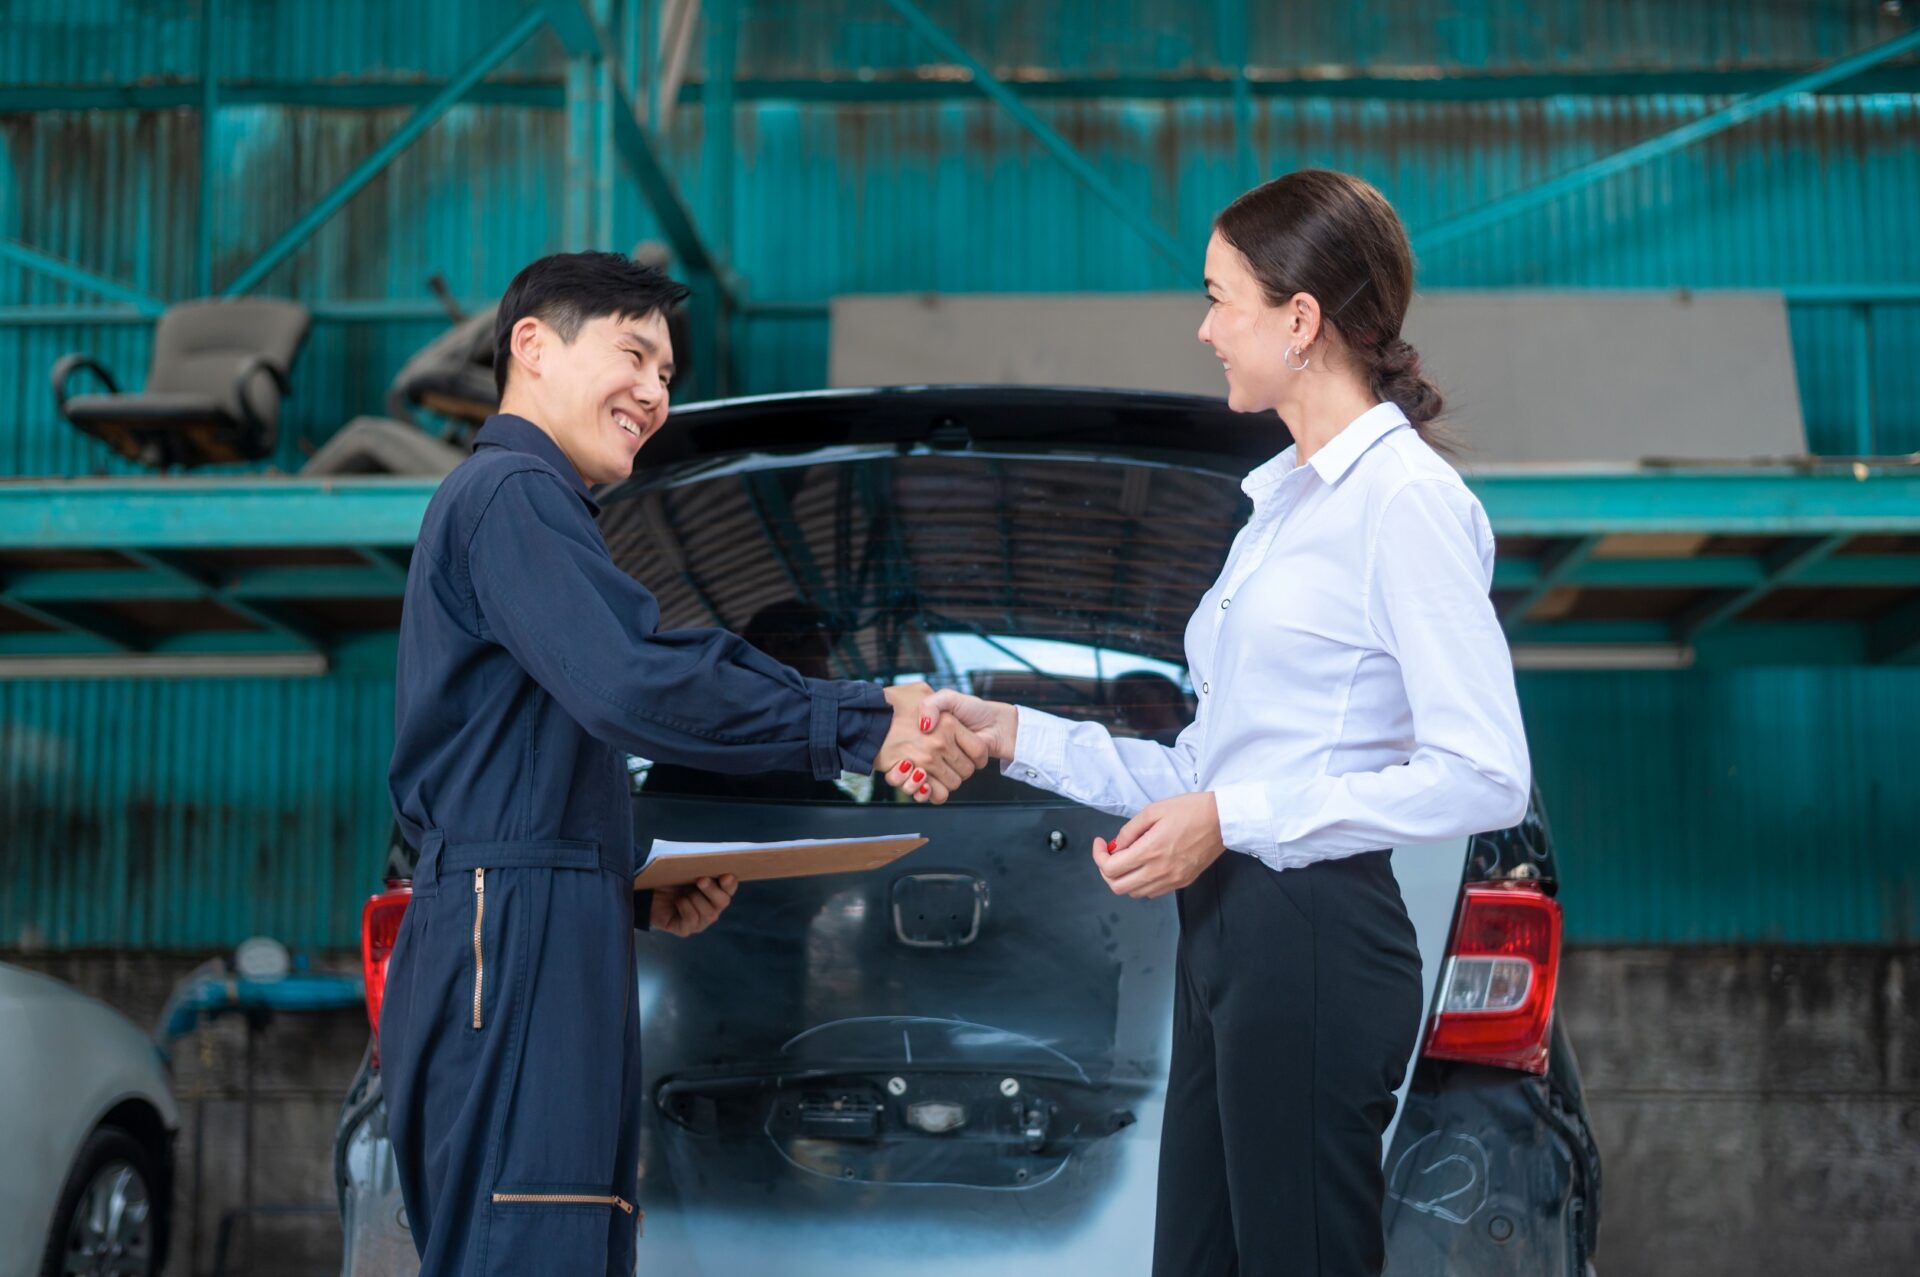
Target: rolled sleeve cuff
[1246, 818]
[1039, 749]
[850, 722]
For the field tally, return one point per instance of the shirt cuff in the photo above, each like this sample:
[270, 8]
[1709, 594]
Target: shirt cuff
[1246, 817]
[1039, 749]
[850, 722]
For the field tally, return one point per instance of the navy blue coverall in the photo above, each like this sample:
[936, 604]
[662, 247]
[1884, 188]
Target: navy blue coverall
[529, 665]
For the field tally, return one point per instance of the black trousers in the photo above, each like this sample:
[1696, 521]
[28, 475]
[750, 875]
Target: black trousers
[1296, 1004]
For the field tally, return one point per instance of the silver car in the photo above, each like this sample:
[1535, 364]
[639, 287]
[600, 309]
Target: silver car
[88, 1120]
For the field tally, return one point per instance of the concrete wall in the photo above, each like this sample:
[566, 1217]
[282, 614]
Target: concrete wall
[1758, 1109]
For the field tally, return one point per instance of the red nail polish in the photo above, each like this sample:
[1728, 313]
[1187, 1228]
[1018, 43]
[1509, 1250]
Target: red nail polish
[923, 789]
[918, 777]
[926, 724]
[906, 765]
[1112, 845]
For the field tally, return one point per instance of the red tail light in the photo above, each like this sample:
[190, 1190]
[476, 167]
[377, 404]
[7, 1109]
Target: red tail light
[1496, 991]
[379, 928]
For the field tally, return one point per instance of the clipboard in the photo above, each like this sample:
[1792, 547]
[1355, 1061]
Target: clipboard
[674, 864]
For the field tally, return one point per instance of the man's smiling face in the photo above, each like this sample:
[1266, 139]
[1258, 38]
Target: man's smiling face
[603, 394]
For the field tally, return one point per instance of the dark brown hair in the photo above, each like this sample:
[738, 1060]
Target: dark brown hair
[1335, 237]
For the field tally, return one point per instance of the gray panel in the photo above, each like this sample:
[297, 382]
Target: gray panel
[1529, 376]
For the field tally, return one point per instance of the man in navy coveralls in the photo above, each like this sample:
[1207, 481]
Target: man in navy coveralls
[529, 666]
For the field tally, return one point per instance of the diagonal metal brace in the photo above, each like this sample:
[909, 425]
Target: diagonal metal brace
[1049, 137]
[1735, 113]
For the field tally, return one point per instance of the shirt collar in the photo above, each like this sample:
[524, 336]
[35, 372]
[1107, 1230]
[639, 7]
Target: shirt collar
[517, 434]
[1347, 447]
[1333, 461]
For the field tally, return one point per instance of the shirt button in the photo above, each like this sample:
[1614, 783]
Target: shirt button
[1223, 604]
[1031, 773]
[1206, 689]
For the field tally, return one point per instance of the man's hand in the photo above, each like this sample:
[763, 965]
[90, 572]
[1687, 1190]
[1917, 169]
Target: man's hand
[691, 909]
[926, 757]
[996, 724]
[1163, 849]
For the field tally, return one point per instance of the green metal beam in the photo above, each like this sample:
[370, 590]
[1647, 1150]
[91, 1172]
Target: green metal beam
[382, 512]
[1727, 117]
[1049, 137]
[265, 615]
[1716, 572]
[1782, 569]
[1563, 562]
[74, 623]
[403, 137]
[1530, 502]
[912, 84]
[211, 513]
[33, 259]
[80, 585]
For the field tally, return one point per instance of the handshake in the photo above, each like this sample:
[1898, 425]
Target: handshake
[939, 739]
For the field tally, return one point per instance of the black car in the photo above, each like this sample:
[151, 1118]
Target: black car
[957, 1063]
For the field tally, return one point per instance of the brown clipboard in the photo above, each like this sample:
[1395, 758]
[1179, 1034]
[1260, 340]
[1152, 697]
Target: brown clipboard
[775, 862]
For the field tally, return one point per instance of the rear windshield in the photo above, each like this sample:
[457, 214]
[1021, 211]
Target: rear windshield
[1064, 584]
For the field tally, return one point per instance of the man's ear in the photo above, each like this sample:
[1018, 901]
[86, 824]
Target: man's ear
[528, 344]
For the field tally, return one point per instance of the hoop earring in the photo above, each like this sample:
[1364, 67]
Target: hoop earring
[1289, 356]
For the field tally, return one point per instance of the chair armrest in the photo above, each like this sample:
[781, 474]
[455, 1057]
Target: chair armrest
[67, 365]
[253, 367]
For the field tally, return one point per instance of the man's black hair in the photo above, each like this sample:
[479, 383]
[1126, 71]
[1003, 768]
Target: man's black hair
[566, 290]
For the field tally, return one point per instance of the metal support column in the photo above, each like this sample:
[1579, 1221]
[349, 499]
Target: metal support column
[1232, 18]
[716, 119]
[209, 116]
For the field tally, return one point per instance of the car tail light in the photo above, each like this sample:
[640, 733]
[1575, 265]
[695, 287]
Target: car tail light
[379, 928]
[1496, 991]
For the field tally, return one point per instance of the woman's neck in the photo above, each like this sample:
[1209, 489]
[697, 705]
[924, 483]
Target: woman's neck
[1327, 405]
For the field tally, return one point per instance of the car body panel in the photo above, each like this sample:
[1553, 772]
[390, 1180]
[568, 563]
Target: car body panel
[66, 1061]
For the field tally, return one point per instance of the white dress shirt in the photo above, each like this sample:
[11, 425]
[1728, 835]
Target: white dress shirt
[1355, 689]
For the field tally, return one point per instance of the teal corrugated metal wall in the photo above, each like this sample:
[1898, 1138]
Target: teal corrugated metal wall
[186, 814]
[842, 198]
[1732, 805]
[1688, 807]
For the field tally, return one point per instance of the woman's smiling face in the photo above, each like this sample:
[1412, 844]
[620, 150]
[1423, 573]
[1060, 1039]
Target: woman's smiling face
[1248, 336]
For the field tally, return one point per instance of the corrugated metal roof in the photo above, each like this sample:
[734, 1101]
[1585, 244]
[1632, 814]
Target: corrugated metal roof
[189, 814]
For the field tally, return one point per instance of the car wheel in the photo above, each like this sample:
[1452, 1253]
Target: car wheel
[107, 1222]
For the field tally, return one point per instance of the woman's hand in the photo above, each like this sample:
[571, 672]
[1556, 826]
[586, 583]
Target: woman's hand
[995, 724]
[925, 754]
[1163, 849]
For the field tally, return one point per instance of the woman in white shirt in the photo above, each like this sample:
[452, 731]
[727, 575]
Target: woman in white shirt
[1355, 692]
